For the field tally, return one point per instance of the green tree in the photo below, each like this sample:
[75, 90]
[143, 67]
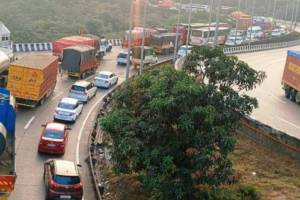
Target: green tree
[176, 134]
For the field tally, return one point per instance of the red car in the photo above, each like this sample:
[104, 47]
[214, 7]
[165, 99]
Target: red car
[62, 180]
[53, 139]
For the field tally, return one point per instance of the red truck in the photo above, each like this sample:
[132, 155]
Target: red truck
[65, 42]
[291, 76]
[137, 36]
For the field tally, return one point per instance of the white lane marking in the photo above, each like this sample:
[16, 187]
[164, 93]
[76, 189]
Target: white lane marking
[29, 122]
[290, 123]
[82, 127]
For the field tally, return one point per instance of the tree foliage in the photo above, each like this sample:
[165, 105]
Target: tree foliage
[176, 133]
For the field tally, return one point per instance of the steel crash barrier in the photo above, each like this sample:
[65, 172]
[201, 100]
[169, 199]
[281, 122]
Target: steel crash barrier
[47, 46]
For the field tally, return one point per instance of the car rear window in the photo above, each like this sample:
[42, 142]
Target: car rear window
[78, 88]
[104, 76]
[53, 134]
[122, 55]
[66, 106]
[66, 180]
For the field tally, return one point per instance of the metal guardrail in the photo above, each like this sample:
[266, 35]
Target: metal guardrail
[47, 46]
[259, 47]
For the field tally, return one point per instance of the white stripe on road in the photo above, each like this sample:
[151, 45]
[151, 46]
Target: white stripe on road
[290, 123]
[29, 122]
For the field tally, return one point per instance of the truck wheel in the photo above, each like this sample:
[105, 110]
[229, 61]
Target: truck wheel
[297, 98]
[42, 101]
[287, 92]
[292, 95]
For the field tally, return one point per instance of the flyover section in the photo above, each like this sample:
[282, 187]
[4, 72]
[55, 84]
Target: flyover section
[29, 163]
[274, 108]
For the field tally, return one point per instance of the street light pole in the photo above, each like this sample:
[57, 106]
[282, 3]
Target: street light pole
[177, 30]
[274, 9]
[217, 22]
[292, 18]
[143, 40]
[209, 19]
[296, 15]
[129, 41]
[237, 22]
[189, 28]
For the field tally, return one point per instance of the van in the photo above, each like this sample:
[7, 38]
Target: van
[83, 91]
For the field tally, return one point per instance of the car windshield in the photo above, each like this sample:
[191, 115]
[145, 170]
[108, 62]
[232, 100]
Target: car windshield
[66, 180]
[103, 76]
[66, 106]
[78, 88]
[122, 55]
[53, 134]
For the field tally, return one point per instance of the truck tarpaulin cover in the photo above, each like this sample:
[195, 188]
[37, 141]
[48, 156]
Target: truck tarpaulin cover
[8, 115]
[291, 74]
[65, 42]
[6, 186]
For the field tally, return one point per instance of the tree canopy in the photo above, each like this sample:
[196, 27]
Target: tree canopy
[176, 133]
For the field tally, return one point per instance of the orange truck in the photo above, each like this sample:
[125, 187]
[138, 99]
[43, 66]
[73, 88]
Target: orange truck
[291, 76]
[32, 79]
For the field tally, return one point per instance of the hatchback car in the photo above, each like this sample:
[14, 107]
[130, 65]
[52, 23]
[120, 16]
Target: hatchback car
[53, 138]
[62, 180]
[68, 109]
[122, 58]
[105, 79]
[83, 91]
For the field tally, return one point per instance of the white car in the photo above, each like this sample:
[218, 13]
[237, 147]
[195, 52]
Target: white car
[122, 58]
[183, 50]
[105, 79]
[68, 109]
[278, 32]
[83, 91]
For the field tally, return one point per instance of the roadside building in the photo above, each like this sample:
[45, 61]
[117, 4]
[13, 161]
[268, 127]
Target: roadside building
[5, 41]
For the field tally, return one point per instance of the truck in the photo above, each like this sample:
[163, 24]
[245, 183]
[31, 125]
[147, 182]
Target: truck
[291, 76]
[70, 41]
[163, 43]
[6, 56]
[149, 56]
[137, 36]
[7, 144]
[32, 79]
[79, 61]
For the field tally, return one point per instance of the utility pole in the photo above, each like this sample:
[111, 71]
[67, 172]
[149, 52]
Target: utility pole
[189, 28]
[211, 4]
[237, 22]
[129, 41]
[296, 15]
[252, 14]
[274, 9]
[292, 18]
[217, 23]
[286, 12]
[143, 40]
[177, 30]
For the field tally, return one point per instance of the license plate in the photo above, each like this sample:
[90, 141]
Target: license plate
[65, 196]
[51, 145]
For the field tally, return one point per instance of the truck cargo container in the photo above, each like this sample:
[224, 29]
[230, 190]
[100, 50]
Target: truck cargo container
[32, 79]
[137, 36]
[163, 43]
[80, 60]
[65, 42]
[7, 144]
[291, 76]
[149, 56]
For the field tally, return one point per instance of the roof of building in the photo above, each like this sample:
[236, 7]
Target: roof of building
[35, 61]
[3, 29]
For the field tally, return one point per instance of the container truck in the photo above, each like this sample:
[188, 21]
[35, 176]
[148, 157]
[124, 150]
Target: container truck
[79, 61]
[32, 79]
[163, 43]
[291, 76]
[149, 56]
[65, 42]
[7, 144]
[137, 36]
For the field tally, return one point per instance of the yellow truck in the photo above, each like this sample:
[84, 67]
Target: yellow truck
[32, 79]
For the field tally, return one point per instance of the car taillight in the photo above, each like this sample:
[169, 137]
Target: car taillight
[54, 185]
[77, 186]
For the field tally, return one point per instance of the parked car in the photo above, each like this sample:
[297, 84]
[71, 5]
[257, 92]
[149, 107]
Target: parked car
[62, 180]
[232, 41]
[53, 138]
[105, 79]
[68, 109]
[278, 32]
[122, 58]
[83, 91]
[184, 50]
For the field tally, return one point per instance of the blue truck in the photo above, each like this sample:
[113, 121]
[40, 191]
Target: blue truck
[7, 143]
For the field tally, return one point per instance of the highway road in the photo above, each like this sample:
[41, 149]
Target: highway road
[28, 129]
[274, 109]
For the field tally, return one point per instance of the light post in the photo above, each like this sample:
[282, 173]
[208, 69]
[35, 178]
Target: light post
[209, 19]
[217, 23]
[129, 41]
[177, 30]
[251, 28]
[296, 15]
[143, 40]
[237, 22]
[189, 28]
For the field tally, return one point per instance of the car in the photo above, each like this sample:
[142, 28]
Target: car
[122, 58]
[53, 138]
[62, 180]
[83, 91]
[68, 109]
[183, 50]
[105, 79]
[234, 41]
[278, 32]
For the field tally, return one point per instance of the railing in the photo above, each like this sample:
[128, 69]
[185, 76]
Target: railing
[259, 47]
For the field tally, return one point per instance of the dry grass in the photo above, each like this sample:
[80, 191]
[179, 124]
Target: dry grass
[277, 177]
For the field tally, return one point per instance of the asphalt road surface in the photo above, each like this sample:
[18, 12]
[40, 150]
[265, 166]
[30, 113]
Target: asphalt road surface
[274, 109]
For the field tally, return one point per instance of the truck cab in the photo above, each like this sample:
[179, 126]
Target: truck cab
[149, 56]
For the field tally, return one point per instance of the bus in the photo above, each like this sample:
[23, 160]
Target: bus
[206, 36]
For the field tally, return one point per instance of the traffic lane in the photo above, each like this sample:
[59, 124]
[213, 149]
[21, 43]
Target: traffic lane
[29, 163]
[274, 109]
